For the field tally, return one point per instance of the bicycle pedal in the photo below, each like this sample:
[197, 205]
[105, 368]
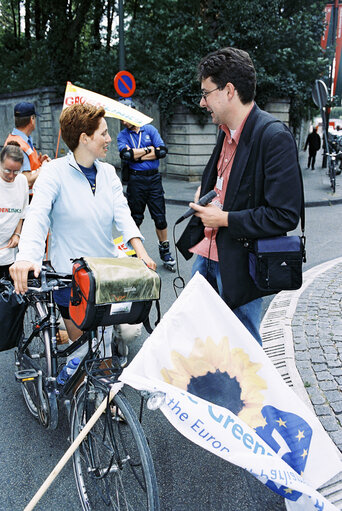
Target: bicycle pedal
[26, 375]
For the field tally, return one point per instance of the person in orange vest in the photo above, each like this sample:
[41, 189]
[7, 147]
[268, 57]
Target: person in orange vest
[25, 123]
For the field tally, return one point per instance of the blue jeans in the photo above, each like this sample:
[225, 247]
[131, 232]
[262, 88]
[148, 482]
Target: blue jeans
[249, 314]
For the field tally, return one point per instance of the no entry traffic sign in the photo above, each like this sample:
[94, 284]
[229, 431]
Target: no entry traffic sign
[124, 83]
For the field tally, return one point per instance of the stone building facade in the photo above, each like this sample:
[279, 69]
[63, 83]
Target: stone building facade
[190, 144]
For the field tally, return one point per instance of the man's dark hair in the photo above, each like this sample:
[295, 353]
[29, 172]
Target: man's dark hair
[230, 65]
[21, 122]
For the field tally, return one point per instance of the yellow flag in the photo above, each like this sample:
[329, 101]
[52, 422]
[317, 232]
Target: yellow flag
[74, 95]
[122, 247]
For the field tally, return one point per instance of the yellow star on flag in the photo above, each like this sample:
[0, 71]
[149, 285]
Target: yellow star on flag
[304, 453]
[300, 435]
[281, 422]
[287, 490]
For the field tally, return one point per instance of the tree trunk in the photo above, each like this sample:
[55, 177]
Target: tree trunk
[27, 19]
[110, 17]
[37, 19]
[66, 25]
[14, 20]
[98, 11]
[19, 24]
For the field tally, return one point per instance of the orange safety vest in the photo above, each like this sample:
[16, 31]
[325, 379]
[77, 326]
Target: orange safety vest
[31, 153]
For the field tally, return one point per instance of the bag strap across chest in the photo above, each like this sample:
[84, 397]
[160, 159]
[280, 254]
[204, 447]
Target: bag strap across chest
[255, 154]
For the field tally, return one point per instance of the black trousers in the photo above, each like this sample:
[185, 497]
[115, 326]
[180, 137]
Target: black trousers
[312, 159]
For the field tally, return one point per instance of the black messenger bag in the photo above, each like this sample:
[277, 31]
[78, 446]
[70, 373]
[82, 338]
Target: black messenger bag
[275, 263]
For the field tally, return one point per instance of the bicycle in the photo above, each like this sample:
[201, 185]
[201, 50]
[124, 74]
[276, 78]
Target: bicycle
[333, 169]
[113, 465]
[334, 159]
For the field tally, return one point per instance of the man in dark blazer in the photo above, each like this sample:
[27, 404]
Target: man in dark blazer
[254, 170]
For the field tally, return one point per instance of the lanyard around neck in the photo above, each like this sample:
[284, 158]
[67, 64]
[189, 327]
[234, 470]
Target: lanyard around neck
[139, 140]
[222, 169]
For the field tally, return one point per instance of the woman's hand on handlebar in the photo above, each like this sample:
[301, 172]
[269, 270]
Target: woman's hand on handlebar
[141, 252]
[149, 262]
[19, 271]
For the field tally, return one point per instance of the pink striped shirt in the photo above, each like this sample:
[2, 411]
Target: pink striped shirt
[207, 247]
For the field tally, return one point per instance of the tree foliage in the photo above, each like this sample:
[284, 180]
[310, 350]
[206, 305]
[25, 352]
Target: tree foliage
[47, 42]
[282, 37]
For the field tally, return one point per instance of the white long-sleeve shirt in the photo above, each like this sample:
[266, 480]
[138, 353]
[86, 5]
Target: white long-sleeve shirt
[80, 222]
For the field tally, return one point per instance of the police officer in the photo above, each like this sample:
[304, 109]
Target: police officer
[141, 148]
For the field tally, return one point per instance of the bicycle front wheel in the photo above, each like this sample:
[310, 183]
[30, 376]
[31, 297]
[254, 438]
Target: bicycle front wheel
[113, 465]
[34, 356]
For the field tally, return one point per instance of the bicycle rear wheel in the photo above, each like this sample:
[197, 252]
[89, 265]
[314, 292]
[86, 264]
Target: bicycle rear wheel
[113, 466]
[332, 176]
[34, 357]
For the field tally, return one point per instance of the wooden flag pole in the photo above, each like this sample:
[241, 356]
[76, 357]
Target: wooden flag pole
[65, 458]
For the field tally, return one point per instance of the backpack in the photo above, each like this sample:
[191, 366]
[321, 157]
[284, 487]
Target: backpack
[11, 321]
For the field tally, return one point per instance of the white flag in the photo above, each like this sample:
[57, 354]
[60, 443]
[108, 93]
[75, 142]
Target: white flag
[224, 394]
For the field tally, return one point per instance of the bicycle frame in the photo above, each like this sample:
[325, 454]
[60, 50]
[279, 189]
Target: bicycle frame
[48, 320]
[113, 462]
[332, 164]
[43, 302]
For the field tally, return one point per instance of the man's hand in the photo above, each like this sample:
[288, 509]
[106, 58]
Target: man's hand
[43, 158]
[151, 155]
[141, 155]
[19, 271]
[211, 215]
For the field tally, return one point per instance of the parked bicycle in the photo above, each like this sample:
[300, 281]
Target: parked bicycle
[113, 466]
[333, 167]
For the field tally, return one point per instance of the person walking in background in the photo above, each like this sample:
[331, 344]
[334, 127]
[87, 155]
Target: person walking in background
[141, 148]
[13, 204]
[314, 142]
[255, 173]
[25, 123]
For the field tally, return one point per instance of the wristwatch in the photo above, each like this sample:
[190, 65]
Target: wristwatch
[147, 150]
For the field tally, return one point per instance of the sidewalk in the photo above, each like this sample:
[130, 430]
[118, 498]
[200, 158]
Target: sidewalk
[317, 189]
[302, 330]
[302, 335]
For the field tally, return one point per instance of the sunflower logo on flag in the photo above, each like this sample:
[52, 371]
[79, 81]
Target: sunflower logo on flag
[223, 376]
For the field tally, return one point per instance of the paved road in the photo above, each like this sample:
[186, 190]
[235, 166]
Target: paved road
[190, 479]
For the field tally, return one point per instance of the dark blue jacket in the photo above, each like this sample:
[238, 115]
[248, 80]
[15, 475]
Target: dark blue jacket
[148, 135]
[263, 199]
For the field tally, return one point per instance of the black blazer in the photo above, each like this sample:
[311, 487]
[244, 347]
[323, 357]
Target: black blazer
[263, 199]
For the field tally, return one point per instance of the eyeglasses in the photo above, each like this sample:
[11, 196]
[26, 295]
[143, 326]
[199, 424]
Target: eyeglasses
[205, 94]
[7, 171]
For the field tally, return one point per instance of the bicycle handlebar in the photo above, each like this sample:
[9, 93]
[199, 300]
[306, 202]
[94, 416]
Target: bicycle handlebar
[47, 280]
[334, 154]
